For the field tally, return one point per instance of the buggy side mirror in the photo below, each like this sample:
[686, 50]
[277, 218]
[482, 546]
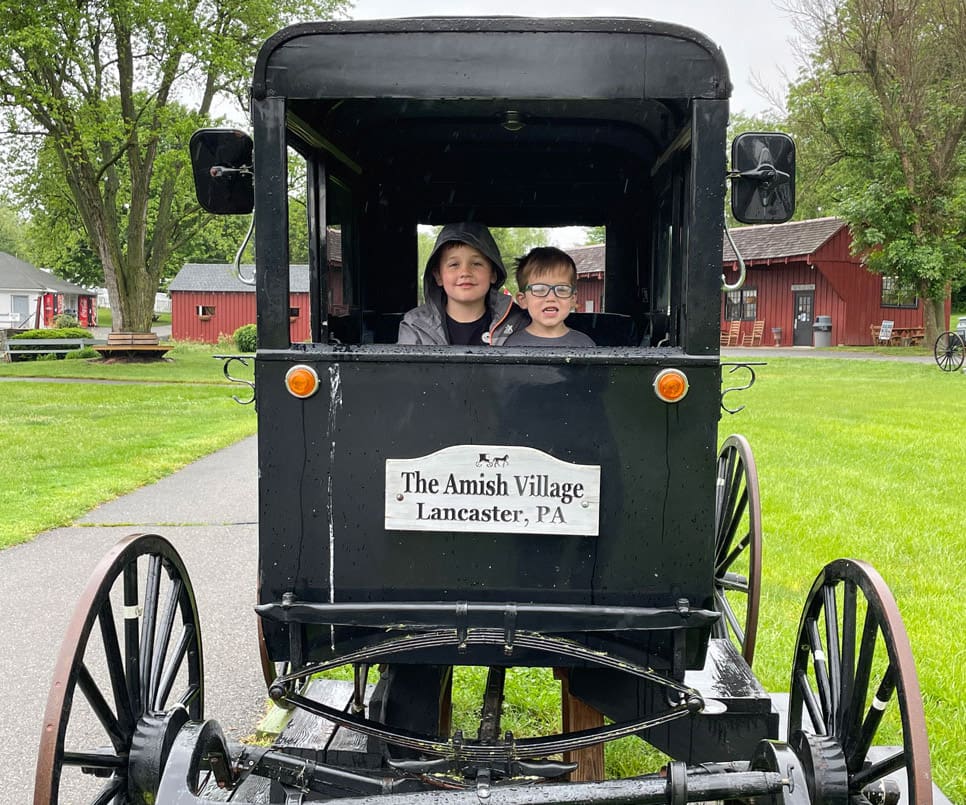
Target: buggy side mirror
[762, 178]
[221, 161]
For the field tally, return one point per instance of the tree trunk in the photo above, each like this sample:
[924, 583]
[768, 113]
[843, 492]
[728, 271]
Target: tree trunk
[934, 315]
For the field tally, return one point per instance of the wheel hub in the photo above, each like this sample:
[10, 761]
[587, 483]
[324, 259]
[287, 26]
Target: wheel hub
[150, 747]
[823, 763]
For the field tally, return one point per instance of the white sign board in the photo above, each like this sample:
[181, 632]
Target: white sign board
[492, 488]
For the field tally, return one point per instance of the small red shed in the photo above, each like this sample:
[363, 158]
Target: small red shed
[208, 301]
[801, 277]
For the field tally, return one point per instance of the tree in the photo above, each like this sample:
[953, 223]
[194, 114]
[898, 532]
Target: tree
[882, 115]
[11, 232]
[112, 90]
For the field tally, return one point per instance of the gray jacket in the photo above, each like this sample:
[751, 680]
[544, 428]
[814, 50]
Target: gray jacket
[426, 324]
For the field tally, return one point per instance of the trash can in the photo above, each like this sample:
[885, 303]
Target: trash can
[822, 331]
[776, 334]
[961, 327]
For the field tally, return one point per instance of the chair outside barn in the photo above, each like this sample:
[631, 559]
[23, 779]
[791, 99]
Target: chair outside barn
[729, 337]
[753, 338]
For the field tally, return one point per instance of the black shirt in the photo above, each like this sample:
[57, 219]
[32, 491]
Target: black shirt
[469, 333]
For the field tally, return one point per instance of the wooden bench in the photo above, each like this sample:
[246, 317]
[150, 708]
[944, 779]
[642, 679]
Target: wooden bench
[132, 345]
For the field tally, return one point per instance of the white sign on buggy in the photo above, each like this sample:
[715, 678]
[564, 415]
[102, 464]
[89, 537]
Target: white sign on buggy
[492, 488]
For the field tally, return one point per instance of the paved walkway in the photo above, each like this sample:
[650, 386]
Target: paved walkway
[208, 511]
[758, 353]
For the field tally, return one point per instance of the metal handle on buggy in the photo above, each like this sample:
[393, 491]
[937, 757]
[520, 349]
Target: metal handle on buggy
[741, 265]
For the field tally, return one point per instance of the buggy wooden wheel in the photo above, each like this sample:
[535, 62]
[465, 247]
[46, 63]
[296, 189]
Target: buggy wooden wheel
[854, 690]
[737, 553]
[128, 676]
[949, 351]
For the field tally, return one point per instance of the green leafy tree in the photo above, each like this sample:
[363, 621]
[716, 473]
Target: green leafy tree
[112, 89]
[11, 232]
[880, 118]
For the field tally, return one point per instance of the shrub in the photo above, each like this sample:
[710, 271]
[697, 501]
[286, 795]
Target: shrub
[65, 320]
[56, 332]
[83, 352]
[246, 338]
[47, 356]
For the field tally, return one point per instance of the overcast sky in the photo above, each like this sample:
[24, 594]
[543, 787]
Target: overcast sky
[754, 34]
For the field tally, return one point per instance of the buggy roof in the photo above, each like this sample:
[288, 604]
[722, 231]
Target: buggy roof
[491, 57]
[526, 122]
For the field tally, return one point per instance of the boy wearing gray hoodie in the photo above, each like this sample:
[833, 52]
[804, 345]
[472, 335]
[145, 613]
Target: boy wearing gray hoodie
[464, 304]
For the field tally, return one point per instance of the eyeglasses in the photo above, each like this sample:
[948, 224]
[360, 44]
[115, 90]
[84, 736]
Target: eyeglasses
[560, 291]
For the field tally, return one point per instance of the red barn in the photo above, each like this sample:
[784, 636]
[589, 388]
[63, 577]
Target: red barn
[590, 277]
[208, 301]
[803, 270]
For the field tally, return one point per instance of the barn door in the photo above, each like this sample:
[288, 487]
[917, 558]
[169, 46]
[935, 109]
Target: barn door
[804, 316]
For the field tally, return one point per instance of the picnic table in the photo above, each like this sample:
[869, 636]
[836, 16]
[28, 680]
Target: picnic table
[897, 336]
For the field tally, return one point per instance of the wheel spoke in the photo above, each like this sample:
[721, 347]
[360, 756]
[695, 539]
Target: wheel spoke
[833, 657]
[131, 636]
[100, 707]
[863, 678]
[113, 789]
[163, 641]
[115, 666]
[873, 718]
[876, 771]
[820, 669]
[95, 760]
[811, 702]
[847, 679]
[149, 620]
[174, 664]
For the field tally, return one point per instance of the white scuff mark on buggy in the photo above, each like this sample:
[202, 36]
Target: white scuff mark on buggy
[335, 402]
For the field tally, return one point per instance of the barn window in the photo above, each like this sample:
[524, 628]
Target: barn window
[205, 311]
[741, 305]
[293, 313]
[897, 294]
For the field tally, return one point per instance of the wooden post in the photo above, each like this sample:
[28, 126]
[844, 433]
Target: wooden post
[577, 715]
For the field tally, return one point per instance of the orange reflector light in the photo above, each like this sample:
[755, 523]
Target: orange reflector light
[671, 385]
[302, 381]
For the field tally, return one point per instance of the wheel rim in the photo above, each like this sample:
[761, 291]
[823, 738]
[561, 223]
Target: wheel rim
[132, 650]
[949, 351]
[737, 562]
[854, 679]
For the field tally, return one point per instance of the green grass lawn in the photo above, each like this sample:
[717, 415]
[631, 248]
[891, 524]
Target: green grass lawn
[186, 363]
[867, 460]
[105, 317]
[75, 445]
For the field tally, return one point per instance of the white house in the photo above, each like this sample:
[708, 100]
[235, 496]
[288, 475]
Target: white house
[32, 297]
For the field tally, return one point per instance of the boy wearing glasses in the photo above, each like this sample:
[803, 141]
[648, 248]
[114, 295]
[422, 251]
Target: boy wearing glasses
[547, 278]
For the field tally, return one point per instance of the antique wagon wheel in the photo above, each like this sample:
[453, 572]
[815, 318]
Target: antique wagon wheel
[128, 676]
[950, 352]
[853, 671]
[737, 552]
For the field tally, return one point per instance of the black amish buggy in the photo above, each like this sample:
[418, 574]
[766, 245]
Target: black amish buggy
[425, 507]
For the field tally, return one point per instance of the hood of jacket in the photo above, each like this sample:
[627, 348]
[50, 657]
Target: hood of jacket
[472, 234]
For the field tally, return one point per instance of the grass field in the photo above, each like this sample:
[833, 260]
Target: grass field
[866, 460]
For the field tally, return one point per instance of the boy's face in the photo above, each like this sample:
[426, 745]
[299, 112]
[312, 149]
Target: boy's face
[464, 273]
[548, 312]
